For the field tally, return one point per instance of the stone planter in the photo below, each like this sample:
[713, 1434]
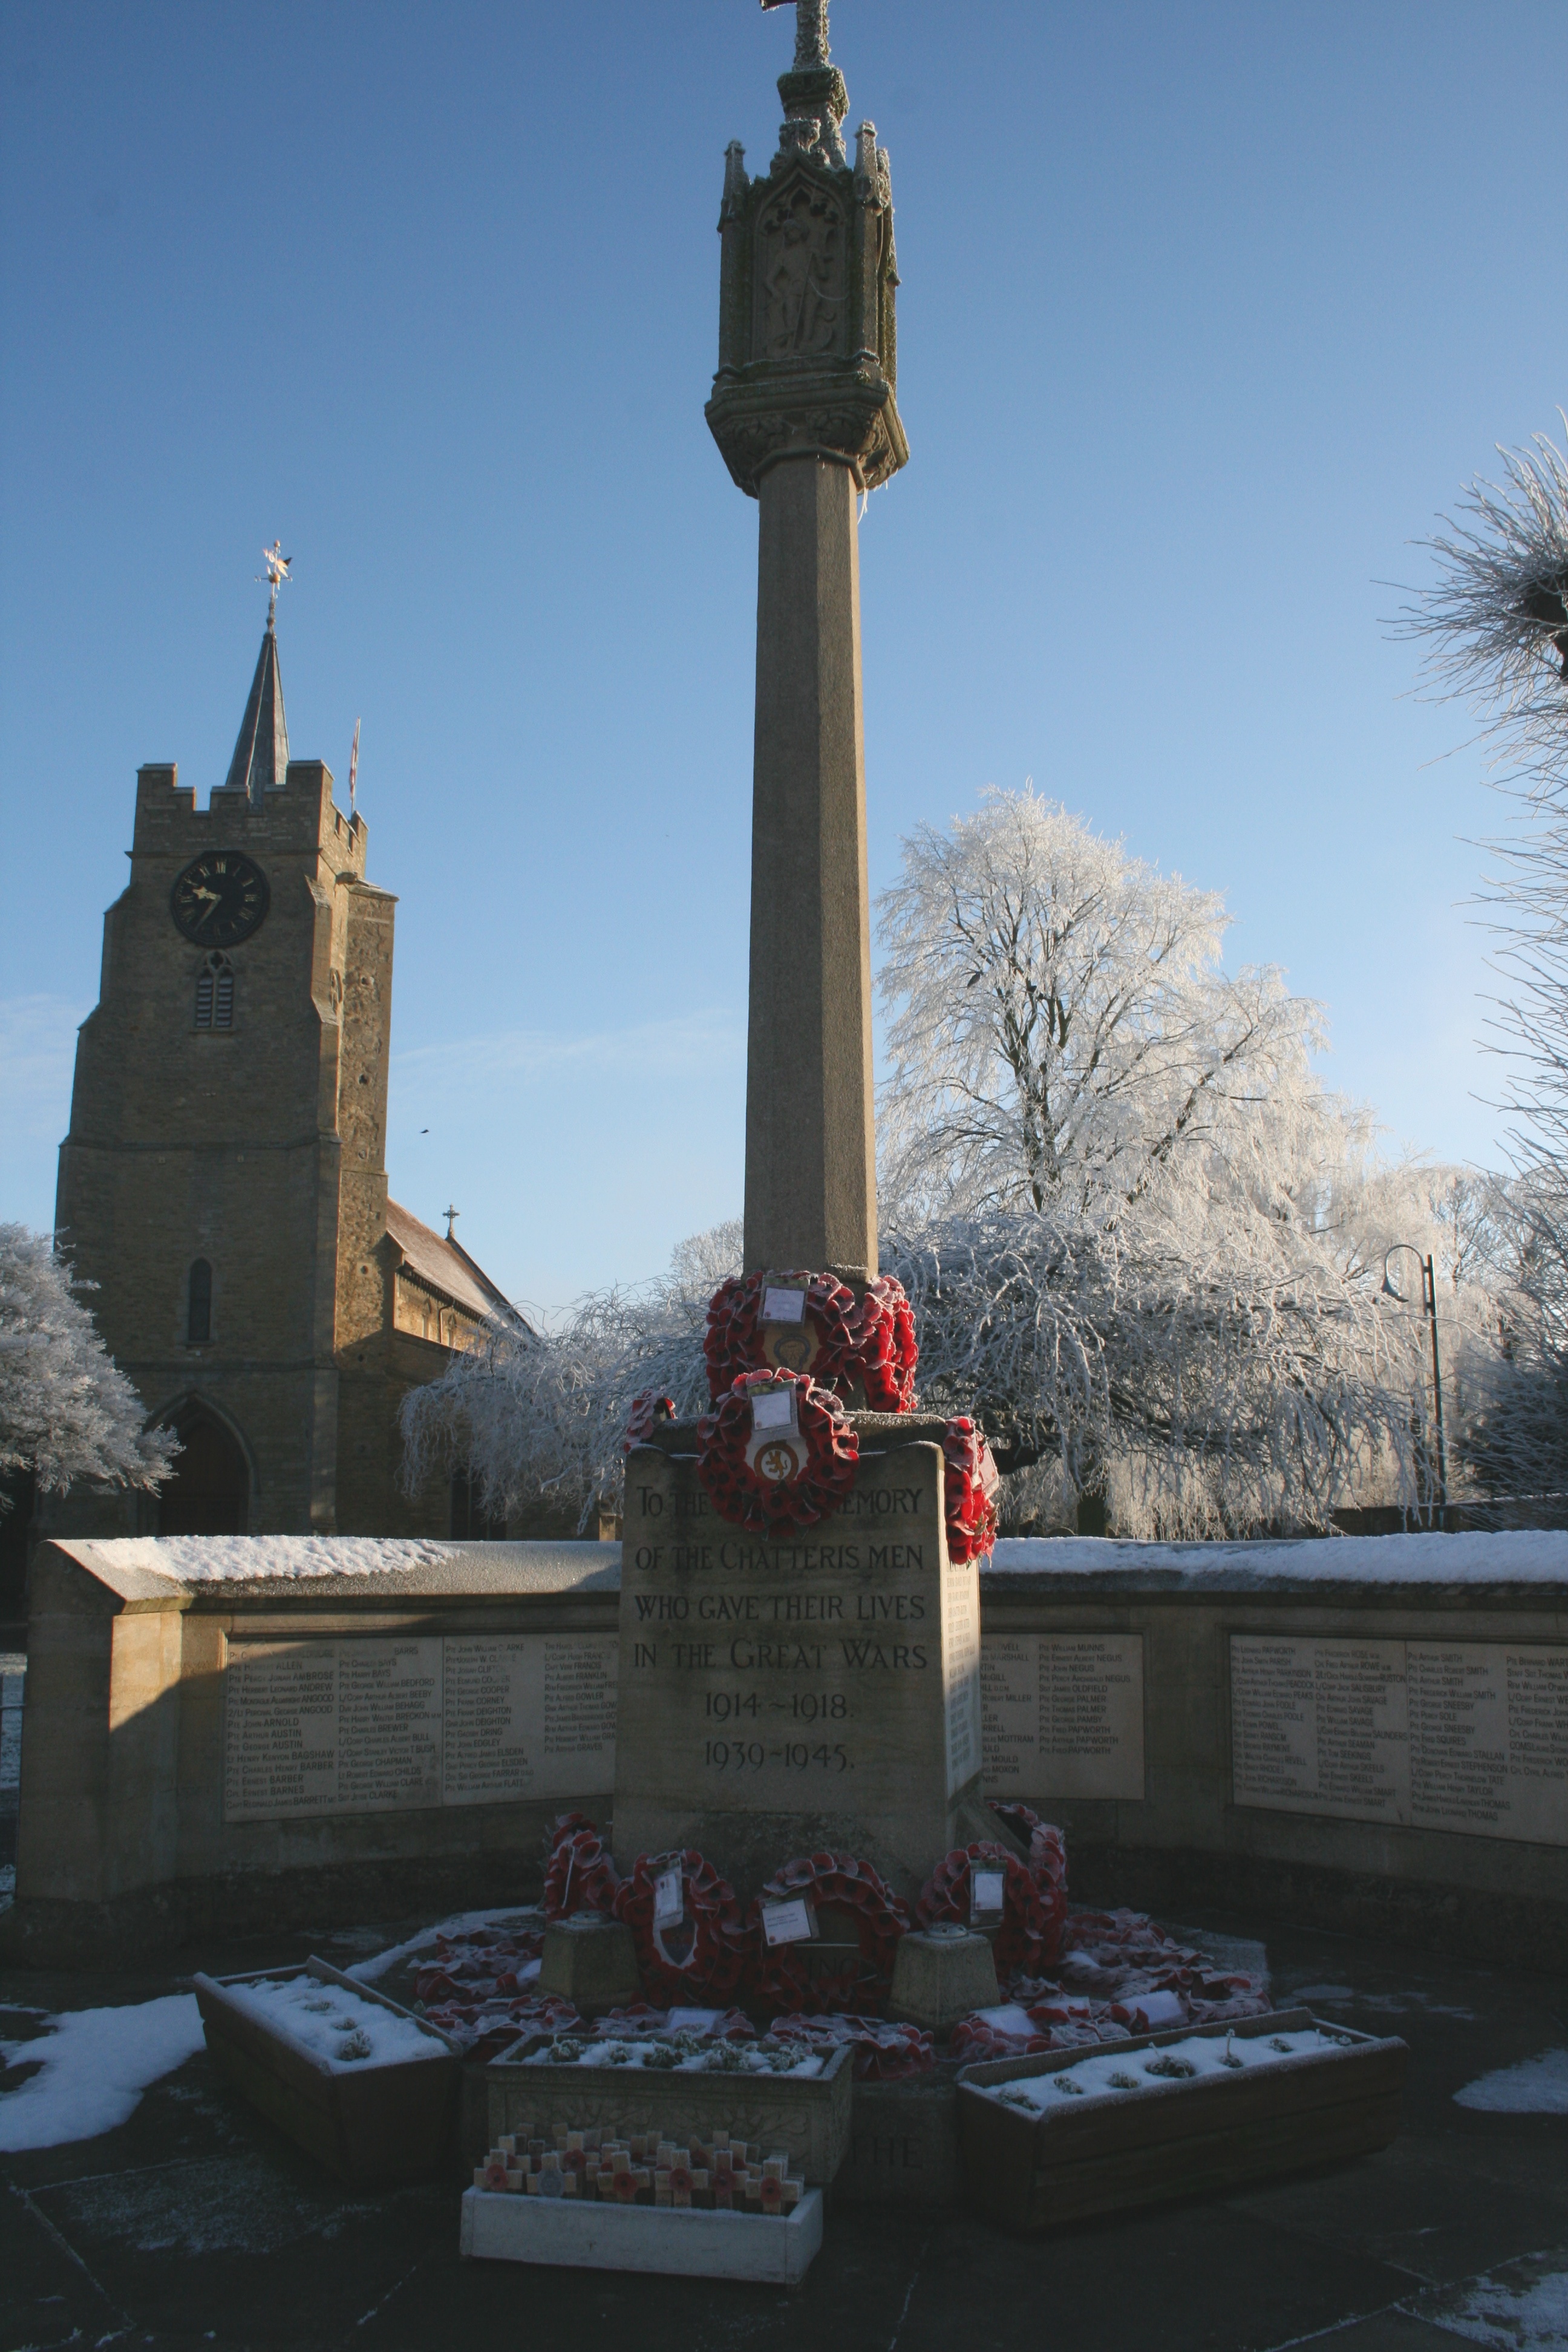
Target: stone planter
[775, 2249]
[377, 2125]
[1094, 2155]
[806, 2120]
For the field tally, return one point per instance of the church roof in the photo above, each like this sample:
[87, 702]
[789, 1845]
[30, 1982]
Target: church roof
[447, 1266]
[261, 755]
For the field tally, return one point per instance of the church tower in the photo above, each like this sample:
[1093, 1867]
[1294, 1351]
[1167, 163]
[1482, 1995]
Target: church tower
[224, 1181]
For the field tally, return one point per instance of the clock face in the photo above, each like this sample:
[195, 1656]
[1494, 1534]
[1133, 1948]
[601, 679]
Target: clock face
[220, 899]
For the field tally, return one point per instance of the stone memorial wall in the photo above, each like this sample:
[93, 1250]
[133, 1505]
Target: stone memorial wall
[231, 1734]
[1358, 1733]
[1364, 1732]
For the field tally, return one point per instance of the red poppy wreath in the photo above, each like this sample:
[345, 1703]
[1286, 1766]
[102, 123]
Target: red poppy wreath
[971, 1483]
[697, 1958]
[784, 1975]
[778, 1453]
[844, 1342]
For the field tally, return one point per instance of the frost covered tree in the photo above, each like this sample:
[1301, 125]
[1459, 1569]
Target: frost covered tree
[1062, 1031]
[1144, 1247]
[65, 1411]
[538, 1416]
[1495, 618]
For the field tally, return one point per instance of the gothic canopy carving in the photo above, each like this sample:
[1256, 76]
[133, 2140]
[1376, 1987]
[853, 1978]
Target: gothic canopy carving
[808, 352]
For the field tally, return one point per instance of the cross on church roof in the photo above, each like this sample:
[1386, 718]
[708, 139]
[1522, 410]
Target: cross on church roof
[810, 30]
[451, 1216]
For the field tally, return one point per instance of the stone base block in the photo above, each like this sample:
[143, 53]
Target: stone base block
[939, 1976]
[776, 2250]
[591, 1962]
[903, 2143]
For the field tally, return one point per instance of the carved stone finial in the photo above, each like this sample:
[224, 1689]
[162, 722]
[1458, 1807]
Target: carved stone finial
[811, 33]
[807, 341]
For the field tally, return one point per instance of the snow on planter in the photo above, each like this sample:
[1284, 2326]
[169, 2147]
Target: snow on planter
[1049, 2138]
[787, 2096]
[363, 2085]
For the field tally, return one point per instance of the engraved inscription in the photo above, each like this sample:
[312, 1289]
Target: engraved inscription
[1466, 1736]
[838, 1668]
[391, 1724]
[1063, 1713]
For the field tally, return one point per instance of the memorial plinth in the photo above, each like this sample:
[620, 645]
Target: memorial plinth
[779, 1697]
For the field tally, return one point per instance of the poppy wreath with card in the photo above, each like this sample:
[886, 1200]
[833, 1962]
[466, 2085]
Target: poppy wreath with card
[579, 1874]
[1030, 1930]
[1047, 1866]
[816, 1459]
[866, 1343]
[782, 1973]
[699, 1961]
[970, 1483]
[648, 1407]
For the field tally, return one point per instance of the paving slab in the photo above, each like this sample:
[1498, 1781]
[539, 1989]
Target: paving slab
[194, 2223]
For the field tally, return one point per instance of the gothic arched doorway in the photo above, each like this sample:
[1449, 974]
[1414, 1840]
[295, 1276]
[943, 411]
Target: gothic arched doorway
[209, 1494]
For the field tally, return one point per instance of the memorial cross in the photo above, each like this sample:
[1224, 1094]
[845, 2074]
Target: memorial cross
[803, 409]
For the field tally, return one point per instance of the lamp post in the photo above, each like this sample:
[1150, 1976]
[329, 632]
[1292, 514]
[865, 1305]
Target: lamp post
[1429, 1305]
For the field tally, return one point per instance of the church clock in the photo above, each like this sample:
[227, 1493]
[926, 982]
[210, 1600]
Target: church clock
[220, 899]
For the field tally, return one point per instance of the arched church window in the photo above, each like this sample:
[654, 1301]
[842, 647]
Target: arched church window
[199, 1304]
[215, 993]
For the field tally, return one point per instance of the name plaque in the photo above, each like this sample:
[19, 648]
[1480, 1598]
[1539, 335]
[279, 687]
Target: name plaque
[1063, 1713]
[391, 1723]
[1465, 1736]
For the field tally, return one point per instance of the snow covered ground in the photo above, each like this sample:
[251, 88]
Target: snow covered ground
[1536, 2087]
[1531, 1556]
[94, 2065]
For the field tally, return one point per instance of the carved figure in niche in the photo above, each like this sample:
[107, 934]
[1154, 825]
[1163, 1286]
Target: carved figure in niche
[802, 276]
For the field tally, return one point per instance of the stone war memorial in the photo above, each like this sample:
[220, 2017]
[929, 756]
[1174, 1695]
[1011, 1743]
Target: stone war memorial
[786, 1793]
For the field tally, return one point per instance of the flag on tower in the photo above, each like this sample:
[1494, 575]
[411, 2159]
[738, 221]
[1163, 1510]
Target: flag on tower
[354, 768]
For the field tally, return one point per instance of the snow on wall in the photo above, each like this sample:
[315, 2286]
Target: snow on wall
[210, 1560]
[1532, 1556]
[233, 1560]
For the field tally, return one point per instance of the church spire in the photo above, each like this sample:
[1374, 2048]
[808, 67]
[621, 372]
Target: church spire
[260, 759]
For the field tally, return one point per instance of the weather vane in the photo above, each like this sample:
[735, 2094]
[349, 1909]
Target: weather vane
[277, 571]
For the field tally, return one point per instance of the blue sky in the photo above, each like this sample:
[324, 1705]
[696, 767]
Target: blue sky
[1207, 310]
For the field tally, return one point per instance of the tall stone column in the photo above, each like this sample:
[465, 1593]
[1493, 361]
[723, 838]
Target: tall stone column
[811, 1184]
[804, 411]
